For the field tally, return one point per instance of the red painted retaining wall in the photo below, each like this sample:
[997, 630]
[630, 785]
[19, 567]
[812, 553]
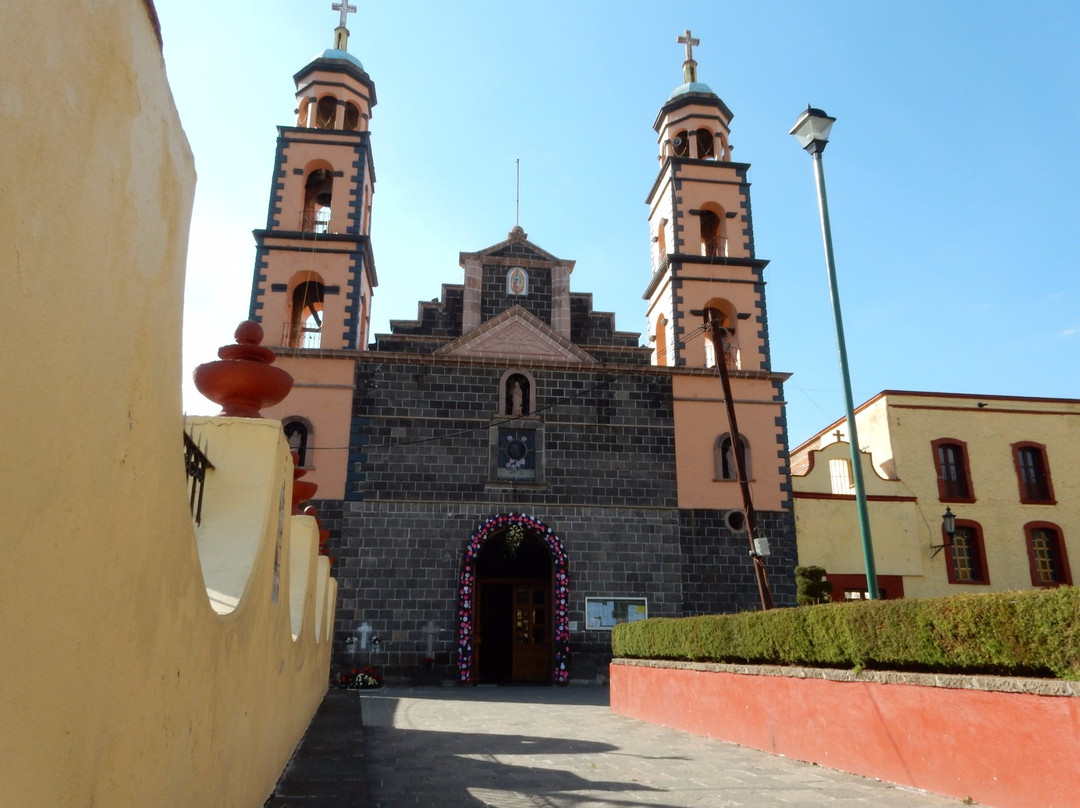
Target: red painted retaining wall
[1005, 749]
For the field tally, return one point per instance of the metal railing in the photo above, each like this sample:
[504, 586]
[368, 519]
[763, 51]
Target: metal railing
[316, 222]
[196, 463]
[294, 335]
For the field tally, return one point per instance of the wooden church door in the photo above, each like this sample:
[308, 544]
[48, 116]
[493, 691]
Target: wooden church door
[532, 633]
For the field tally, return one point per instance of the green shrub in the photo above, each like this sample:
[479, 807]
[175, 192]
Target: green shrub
[1030, 633]
[811, 586]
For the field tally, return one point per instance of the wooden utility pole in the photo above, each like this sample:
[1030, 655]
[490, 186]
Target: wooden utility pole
[719, 339]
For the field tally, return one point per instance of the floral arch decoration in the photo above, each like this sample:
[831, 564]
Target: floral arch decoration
[559, 591]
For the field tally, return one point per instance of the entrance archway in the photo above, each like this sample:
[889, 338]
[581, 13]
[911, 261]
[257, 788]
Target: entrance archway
[505, 580]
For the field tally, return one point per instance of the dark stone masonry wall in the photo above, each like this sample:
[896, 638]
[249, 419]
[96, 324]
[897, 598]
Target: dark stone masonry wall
[422, 480]
[405, 574]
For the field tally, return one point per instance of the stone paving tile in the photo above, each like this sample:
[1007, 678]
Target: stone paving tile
[530, 747]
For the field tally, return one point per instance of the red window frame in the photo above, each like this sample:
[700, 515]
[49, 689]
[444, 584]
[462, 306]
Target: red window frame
[1059, 551]
[980, 574]
[1043, 489]
[890, 587]
[944, 494]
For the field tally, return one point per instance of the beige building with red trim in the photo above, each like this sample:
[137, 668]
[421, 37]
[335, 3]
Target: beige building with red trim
[1003, 466]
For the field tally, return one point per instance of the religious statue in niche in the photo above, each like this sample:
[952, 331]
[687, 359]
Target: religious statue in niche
[517, 400]
[517, 281]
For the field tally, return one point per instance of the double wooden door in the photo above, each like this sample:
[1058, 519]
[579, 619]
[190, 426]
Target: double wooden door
[513, 641]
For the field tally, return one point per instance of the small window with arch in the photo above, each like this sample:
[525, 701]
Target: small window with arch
[724, 457]
[953, 472]
[1047, 555]
[1033, 473]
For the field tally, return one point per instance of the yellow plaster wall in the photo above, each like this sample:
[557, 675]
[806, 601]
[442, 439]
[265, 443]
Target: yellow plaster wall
[121, 685]
[899, 428]
[828, 528]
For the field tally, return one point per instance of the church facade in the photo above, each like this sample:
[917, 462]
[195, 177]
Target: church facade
[509, 475]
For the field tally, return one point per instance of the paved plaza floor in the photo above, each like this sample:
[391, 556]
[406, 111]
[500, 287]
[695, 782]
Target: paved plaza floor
[542, 747]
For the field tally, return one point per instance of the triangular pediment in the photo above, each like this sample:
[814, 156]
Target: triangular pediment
[516, 334]
[516, 245]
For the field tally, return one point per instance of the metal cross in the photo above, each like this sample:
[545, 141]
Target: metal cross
[689, 41]
[347, 9]
[838, 435]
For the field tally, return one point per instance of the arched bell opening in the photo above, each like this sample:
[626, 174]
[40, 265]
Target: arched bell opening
[513, 615]
[714, 243]
[305, 321]
[318, 198]
[326, 112]
[704, 144]
[352, 117]
[680, 144]
[723, 311]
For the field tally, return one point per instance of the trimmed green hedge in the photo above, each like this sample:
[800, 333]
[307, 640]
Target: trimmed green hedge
[1030, 633]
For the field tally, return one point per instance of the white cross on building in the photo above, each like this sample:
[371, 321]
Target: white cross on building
[347, 9]
[687, 40]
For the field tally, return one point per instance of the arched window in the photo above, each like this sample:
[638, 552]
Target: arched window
[660, 343]
[954, 477]
[966, 556]
[326, 112]
[1046, 554]
[713, 222]
[305, 322]
[724, 312]
[1033, 473]
[318, 197]
[304, 112]
[680, 144]
[297, 432]
[724, 457]
[661, 239]
[352, 116]
[723, 151]
[517, 394]
[704, 144]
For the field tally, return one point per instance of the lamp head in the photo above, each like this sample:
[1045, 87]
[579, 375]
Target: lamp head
[948, 520]
[812, 130]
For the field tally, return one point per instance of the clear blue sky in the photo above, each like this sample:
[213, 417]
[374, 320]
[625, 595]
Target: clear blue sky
[952, 169]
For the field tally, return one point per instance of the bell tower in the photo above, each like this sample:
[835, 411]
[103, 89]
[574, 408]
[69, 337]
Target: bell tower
[702, 235]
[314, 269]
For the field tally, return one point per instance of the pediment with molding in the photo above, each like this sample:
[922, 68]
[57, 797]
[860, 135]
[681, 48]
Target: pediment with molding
[516, 334]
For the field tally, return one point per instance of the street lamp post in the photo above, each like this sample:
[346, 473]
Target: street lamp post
[812, 132]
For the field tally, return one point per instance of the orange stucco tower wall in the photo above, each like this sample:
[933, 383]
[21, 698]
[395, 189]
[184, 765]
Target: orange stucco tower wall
[703, 259]
[314, 268]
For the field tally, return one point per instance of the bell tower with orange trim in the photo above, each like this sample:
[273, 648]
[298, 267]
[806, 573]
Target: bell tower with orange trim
[314, 268]
[702, 235]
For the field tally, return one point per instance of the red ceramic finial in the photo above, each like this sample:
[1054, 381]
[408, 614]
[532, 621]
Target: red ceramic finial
[243, 380]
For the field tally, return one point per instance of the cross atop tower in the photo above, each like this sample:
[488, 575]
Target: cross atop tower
[341, 33]
[685, 39]
[689, 65]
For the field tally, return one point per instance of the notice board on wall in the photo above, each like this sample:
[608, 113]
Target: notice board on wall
[602, 614]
